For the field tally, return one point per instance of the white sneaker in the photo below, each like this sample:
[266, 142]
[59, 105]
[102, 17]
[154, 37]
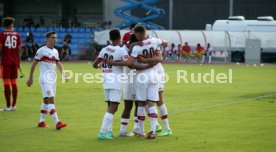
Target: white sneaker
[136, 131]
[13, 108]
[126, 134]
[6, 109]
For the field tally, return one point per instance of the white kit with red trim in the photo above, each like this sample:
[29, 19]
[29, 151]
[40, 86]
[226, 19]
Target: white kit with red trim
[47, 58]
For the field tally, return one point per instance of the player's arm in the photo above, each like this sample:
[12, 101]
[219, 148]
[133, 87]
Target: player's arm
[155, 59]
[61, 70]
[30, 80]
[96, 63]
[128, 63]
[141, 67]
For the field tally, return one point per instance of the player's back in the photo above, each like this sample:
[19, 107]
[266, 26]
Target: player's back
[112, 52]
[148, 50]
[10, 42]
[110, 72]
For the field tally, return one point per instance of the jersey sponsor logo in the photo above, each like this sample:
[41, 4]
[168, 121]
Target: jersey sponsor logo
[147, 43]
[107, 70]
[110, 50]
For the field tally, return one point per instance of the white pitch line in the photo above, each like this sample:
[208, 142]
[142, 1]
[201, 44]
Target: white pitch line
[222, 104]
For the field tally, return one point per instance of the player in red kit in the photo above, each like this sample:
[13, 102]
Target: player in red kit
[10, 47]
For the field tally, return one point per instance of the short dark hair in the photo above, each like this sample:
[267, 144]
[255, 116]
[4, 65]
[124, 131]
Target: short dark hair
[132, 39]
[7, 22]
[114, 35]
[140, 28]
[132, 25]
[48, 34]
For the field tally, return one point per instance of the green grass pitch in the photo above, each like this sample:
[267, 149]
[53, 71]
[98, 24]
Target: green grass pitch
[237, 117]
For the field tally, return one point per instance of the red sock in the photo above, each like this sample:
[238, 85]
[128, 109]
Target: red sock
[7, 91]
[14, 93]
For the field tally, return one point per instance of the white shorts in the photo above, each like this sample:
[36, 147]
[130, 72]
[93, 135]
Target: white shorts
[48, 90]
[130, 91]
[147, 90]
[113, 95]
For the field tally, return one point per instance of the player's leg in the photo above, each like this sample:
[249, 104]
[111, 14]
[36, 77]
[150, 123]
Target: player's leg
[152, 95]
[141, 96]
[164, 115]
[14, 75]
[128, 104]
[6, 73]
[43, 113]
[136, 125]
[158, 127]
[106, 120]
[50, 91]
[114, 98]
[125, 118]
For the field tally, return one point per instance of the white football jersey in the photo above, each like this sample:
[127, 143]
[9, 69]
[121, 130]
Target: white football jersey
[110, 73]
[47, 58]
[147, 50]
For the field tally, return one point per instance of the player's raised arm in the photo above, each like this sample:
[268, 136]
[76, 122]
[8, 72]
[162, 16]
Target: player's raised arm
[30, 80]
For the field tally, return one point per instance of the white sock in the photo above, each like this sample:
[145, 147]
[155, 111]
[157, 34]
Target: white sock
[109, 127]
[124, 123]
[164, 116]
[153, 118]
[136, 125]
[44, 110]
[52, 110]
[210, 59]
[141, 118]
[107, 120]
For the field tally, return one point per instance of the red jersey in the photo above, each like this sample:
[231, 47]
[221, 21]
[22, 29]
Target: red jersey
[186, 49]
[126, 37]
[10, 42]
[200, 49]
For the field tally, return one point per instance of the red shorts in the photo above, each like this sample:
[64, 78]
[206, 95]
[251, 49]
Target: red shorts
[9, 72]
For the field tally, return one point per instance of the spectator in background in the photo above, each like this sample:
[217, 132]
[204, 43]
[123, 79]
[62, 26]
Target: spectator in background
[32, 51]
[30, 37]
[172, 52]
[96, 51]
[208, 53]
[24, 51]
[126, 36]
[65, 52]
[68, 38]
[199, 52]
[186, 52]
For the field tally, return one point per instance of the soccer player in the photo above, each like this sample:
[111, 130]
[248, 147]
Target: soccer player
[10, 47]
[48, 59]
[147, 91]
[127, 35]
[161, 105]
[112, 87]
[130, 90]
